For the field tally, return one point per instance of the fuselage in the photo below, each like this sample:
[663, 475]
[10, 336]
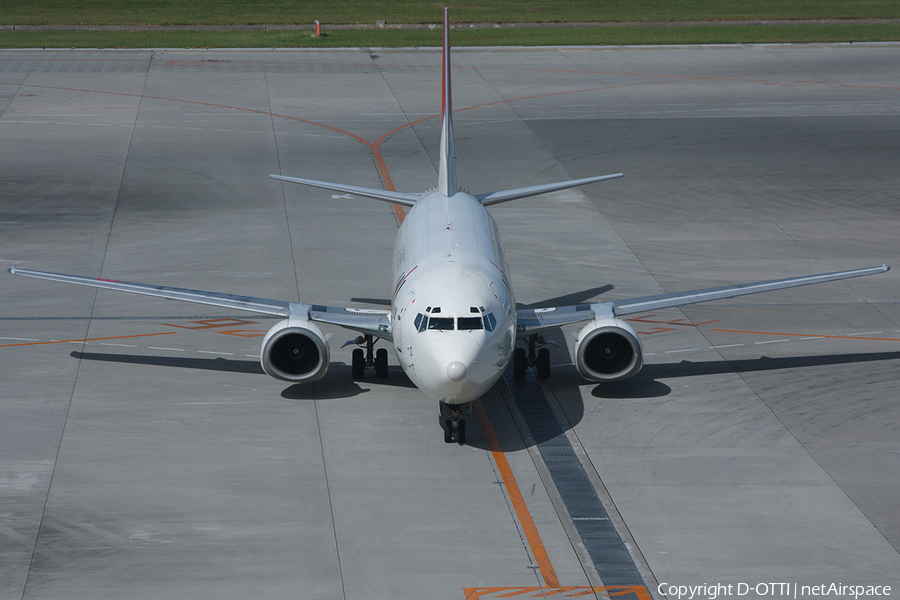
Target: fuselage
[452, 309]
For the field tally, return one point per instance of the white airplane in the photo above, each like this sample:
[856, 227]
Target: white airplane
[453, 320]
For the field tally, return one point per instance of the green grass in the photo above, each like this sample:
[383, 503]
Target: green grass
[97, 12]
[149, 12]
[707, 34]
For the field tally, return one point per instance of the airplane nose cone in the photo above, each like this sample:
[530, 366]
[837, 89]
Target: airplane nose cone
[456, 371]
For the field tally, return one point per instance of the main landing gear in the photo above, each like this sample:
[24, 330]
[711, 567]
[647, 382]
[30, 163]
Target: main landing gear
[453, 421]
[369, 358]
[540, 360]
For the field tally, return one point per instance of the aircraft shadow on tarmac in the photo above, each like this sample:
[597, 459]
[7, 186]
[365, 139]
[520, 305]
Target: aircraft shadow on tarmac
[207, 364]
[337, 382]
[646, 385]
[567, 299]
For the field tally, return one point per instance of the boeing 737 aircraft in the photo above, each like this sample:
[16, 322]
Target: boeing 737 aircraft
[453, 320]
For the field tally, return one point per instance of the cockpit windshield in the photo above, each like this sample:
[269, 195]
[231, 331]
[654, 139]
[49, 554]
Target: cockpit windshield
[470, 323]
[441, 323]
[424, 322]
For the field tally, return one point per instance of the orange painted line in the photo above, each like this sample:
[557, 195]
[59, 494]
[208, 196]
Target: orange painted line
[837, 337]
[518, 502]
[212, 323]
[375, 148]
[509, 594]
[200, 103]
[571, 591]
[515, 495]
[115, 337]
[245, 333]
[657, 330]
[684, 322]
[382, 166]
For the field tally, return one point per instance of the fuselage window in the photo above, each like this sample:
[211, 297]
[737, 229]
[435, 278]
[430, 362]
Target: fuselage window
[441, 323]
[469, 323]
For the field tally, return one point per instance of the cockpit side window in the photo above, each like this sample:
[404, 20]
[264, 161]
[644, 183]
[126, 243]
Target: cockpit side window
[490, 321]
[421, 322]
[469, 323]
[441, 323]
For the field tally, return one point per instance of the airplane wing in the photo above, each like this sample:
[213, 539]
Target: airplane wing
[529, 322]
[374, 322]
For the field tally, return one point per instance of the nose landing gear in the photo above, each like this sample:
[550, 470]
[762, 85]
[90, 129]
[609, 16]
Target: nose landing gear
[453, 421]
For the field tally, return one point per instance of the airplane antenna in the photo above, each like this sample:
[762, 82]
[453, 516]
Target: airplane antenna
[447, 173]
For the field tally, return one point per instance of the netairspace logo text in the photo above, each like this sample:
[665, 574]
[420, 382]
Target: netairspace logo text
[711, 591]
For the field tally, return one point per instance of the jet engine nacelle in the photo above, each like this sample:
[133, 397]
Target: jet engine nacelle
[295, 350]
[608, 350]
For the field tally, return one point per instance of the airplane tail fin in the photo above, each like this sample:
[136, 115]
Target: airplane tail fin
[446, 172]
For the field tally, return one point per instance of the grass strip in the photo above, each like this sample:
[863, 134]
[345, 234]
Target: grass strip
[392, 38]
[98, 12]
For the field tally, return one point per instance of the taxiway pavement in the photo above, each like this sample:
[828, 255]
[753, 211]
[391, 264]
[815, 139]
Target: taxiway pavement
[143, 454]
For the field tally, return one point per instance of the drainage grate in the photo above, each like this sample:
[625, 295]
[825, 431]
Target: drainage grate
[601, 540]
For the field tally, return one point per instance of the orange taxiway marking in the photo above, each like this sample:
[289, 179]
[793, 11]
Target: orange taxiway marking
[811, 335]
[524, 516]
[684, 322]
[211, 323]
[490, 593]
[375, 147]
[115, 337]
[518, 502]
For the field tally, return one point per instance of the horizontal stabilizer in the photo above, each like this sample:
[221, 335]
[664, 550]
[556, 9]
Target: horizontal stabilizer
[534, 190]
[384, 195]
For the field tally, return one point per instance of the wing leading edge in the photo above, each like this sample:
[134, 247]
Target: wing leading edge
[375, 322]
[534, 321]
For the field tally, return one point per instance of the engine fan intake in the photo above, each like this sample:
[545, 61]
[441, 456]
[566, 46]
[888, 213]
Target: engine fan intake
[608, 351]
[295, 350]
